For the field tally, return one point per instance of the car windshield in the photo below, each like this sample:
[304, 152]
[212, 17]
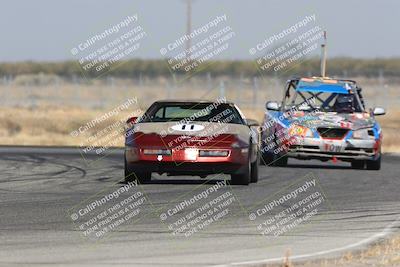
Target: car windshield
[328, 102]
[211, 112]
[311, 96]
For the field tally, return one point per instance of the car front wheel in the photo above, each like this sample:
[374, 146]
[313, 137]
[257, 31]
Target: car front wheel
[267, 158]
[254, 170]
[243, 177]
[374, 164]
[281, 161]
[131, 174]
[358, 164]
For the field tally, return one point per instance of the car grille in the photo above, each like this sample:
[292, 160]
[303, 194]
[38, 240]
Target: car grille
[338, 133]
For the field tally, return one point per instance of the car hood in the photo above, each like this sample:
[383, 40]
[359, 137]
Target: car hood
[196, 128]
[352, 121]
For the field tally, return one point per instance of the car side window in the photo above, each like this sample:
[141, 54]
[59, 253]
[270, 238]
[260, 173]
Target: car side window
[159, 114]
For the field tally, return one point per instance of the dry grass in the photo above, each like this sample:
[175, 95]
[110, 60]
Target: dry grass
[51, 125]
[46, 114]
[381, 254]
[390, 124]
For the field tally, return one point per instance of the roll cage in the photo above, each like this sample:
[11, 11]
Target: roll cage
[291, 88]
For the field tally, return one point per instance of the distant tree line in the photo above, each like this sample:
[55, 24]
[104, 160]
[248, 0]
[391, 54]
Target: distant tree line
[153, 68]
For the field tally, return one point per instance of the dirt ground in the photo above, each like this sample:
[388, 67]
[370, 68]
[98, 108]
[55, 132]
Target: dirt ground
[384, 253]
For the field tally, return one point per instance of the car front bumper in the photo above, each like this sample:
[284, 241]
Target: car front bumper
[186, 168]
[187, 161]
[325, 149]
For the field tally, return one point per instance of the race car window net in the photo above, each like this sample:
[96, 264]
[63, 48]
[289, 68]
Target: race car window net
[224, 113]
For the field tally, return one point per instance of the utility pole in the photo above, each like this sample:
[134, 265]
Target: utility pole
[188, 28]
[323, 57]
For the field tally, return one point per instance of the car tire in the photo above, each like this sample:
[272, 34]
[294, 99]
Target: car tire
[281, 161]
[132, 175]
[374, 164]
[358, 164]
[267, 158]
[244, 176]
[254, 170]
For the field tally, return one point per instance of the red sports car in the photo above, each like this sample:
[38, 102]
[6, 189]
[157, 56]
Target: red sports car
[192, 138]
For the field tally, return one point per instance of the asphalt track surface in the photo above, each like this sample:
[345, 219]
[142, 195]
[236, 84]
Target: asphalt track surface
[40, 186]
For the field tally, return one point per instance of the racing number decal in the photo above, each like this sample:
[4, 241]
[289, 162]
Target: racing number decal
[332, 147]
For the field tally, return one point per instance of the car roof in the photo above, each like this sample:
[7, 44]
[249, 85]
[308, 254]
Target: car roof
[189, 101]
[324, 84]
[327, 79]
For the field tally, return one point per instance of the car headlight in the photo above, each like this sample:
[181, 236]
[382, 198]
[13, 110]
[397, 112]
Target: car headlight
[366, 133]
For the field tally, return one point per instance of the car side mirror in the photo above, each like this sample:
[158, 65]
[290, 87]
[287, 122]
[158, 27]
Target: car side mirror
[379, 111]
[131, 120]
[251, 122]
[272, 105]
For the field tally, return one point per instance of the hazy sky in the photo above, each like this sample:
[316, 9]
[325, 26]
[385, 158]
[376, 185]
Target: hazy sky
[48, 29]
